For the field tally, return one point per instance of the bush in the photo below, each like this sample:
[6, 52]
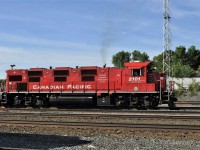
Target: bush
[194, 87]
[181, 90]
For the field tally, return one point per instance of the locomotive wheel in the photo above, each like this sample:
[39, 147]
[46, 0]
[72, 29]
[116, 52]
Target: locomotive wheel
[17, 102]
[154, 104]
[46, 103]
[171, 104]
[23, 102]
[141, 105]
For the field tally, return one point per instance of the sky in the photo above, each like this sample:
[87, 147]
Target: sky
[69, 33]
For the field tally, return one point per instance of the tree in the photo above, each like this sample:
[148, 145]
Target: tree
[2, 80]
[193, 57]
[198, 70]
[119, 58]
[183, 63]
[179, 55]
[138, 56]
[180, 70]
[158, 62]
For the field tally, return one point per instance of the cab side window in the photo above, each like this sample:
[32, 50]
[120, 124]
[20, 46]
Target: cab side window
[137, 72]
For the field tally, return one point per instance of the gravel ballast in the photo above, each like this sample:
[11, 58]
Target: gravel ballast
[79, 139]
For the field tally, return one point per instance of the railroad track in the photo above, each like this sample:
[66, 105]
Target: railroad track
[86, 125]
[102, 113]
[188, 102]
[95, 119]
[182, 115]
[90, 111]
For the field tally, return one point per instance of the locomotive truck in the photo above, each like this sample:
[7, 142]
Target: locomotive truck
[135, 85]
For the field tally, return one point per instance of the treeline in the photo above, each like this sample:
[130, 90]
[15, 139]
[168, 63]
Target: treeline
[2, 80]
[184, 62]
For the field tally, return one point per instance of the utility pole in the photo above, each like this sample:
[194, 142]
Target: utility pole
[167, 44]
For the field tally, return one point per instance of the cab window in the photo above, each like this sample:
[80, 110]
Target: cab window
[137, 72]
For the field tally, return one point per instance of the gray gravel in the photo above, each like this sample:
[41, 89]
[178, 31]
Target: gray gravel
[188, 96]
[108, 143]
[66, 138]
[99, 142]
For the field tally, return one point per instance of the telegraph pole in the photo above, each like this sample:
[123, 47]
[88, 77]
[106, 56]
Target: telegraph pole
[167, 44]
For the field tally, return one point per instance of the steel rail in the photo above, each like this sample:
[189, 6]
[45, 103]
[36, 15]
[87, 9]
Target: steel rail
[169, 127]
[187, 102]
[103, 116]
[96, 111]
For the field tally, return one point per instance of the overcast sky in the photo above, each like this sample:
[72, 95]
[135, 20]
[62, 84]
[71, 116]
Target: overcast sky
[43, 33]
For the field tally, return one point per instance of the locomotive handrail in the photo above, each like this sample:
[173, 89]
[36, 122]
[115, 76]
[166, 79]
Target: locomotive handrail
[160, 93]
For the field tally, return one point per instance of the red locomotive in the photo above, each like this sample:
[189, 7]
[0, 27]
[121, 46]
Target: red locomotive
[135, 85]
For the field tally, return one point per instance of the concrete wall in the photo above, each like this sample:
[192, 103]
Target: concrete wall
[185, 81]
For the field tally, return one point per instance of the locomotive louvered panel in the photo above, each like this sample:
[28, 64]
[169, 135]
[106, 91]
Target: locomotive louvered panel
[35, 73]
[89, 72]
[61, 72]
[12, 87]
[60, 79]
[22, 86]
[34, 79]
[150, 79]
[15, 78]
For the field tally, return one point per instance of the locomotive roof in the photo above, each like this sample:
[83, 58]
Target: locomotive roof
[136, 64]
